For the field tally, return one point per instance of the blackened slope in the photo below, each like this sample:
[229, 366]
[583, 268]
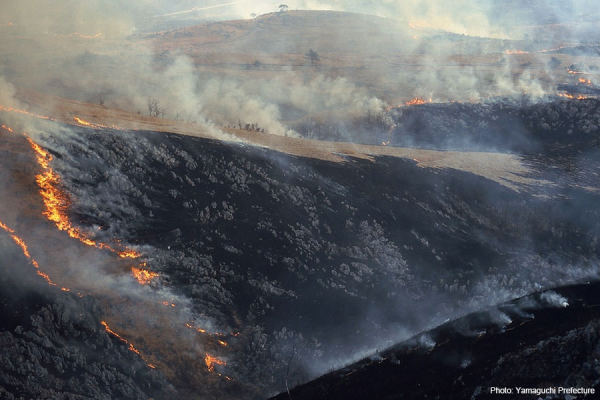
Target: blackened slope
[501, 125]
[316, 257]
[504, 126]
[52, 344]
[538, 345]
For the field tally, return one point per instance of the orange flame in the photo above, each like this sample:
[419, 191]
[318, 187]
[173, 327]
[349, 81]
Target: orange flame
[130, 346]
[122, 339]
[82, 36]
[143, 276]
[515, 52]
[7, 128]
[128, 254]
[211, 361]
[200, 330]
[24, 112]
[92, 125]
[82, 122]
[21, 243]
[585, 81]
[573, 97]
[416, 101]
[56, 202]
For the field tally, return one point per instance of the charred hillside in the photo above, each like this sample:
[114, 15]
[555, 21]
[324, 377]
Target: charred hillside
[54, 345]
[506, 125]
[548, 339]
[306, 259]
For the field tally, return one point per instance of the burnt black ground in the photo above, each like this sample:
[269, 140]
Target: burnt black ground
[527, 343]
[316, 263]
[54, 347]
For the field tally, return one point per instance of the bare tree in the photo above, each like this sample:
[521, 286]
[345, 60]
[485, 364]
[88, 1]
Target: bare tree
[313, 56]
[154, 109]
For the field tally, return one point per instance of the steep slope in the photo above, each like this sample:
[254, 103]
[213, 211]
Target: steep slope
[287, 250]
[544, 341]
[266, 268]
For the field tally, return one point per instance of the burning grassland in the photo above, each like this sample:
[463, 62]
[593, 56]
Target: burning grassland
[56, 203]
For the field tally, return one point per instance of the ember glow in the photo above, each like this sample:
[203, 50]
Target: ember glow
[211, 361]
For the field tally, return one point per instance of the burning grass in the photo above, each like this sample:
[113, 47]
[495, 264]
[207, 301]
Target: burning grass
[56, 203]
[21, 243]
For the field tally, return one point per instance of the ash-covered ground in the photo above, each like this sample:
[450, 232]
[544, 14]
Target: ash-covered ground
[301, 265]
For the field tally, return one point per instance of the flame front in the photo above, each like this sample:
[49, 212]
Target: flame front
[24, 112]
[56, 203]
[7, 128]
[130, 346]
[92, 125]
[416, 101]
[21, 243]
[143, 276]
[573, 97]
[584, 81]
[515, 52]
[211, 361]
[82, 122]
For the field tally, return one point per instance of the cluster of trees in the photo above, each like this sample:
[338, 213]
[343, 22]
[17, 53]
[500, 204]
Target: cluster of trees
[250, 127]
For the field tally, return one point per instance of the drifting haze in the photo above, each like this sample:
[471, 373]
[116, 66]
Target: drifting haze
[93, 51]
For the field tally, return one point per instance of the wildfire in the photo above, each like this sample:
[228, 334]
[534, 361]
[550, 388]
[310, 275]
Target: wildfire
[573, 97]
[416, 101]
[92, 125]
[82, 36]
[128, 254]
[24, 112]
[82, 122]
[121, 338]
[56, 202]
[167, 304]
[200, 330]
[515, 52]
[7, 128]
[21, 243]
[211, 361]
[585, 81]
[143, 276]
[222, 343]
[130, 346]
